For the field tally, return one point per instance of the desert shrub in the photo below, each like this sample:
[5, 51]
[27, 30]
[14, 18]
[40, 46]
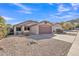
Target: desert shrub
[68, 25]
[1, 35]
[59, 31]
[33, 42]
[3, 28]
[1, 48]
[77, 26]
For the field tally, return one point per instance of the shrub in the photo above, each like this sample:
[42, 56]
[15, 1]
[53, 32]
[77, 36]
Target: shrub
[1, 35]
[3, 28]
[59, 31]
[1, 48]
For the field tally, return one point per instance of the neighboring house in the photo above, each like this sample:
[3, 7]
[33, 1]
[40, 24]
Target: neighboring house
[33, 27]
[57, 26]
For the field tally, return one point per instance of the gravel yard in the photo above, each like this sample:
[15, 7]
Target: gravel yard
[19, 46]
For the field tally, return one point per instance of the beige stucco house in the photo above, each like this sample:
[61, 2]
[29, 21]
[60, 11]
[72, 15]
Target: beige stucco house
[33, 27]
[57, 26]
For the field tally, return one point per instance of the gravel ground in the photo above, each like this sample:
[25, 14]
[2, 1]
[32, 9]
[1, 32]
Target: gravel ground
[20, 46]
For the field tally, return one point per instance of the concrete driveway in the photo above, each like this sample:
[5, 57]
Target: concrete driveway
[63, 37]
[68, 37]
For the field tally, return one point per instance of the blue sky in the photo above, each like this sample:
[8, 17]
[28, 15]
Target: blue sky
[15, 13]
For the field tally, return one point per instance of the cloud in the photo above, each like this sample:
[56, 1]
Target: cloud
[25, 9]
[25, 12]
[66, 17]
[61, 8]
[50, 4]
[22, 6]
[75, 6]
[8, 18]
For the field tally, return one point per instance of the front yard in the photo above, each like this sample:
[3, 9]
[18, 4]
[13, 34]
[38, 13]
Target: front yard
[43, 45]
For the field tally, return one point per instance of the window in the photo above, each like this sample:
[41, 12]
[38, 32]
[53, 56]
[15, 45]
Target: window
[27, 28]
[18, 29]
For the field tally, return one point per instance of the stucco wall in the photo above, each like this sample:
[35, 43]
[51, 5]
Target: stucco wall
[56, 27]
[34, 29]
[14, 30]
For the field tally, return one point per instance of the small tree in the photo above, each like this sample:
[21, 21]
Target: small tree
[77, 26]
[3, 28]
[67, 25]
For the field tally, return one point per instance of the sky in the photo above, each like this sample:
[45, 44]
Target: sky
[15, 13]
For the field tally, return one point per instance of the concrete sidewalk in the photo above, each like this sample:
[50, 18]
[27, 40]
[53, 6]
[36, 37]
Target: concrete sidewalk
[74, 50]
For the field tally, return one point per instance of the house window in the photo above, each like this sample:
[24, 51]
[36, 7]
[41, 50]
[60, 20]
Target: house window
[18, 29]
[27, 28]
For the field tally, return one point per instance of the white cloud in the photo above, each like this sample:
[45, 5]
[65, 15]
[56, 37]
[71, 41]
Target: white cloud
[65, 17]
[25, 12]
[62, 17]
[61, 8]
[25, 9]
[22, 6]
[75, 6]
[50, 4]
[8, 18]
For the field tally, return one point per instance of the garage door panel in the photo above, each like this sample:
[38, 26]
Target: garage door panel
[45, 29]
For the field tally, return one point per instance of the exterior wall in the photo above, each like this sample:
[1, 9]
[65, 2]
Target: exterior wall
[56, 27]
[52, 29]
[14, 30]
[34, 29]
[17, 32]
[22, 29]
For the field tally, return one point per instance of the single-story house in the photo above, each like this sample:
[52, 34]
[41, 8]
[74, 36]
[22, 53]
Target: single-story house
[57, 26]
[33, 27]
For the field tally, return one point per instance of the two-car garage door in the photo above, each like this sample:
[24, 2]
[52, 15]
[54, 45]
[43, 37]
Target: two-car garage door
[45, 29]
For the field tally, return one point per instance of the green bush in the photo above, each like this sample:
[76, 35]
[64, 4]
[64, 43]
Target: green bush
[77, 26]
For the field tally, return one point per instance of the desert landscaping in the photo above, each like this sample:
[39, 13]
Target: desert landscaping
[32, 38]
[37, 45]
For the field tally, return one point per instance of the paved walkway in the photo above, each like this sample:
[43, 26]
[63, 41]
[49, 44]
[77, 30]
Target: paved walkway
[74, 51]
